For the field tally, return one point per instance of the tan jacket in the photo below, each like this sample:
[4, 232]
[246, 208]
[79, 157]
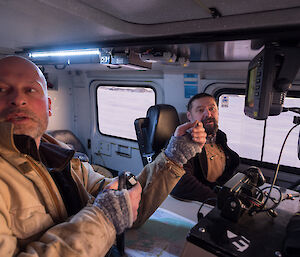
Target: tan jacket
[33, 218]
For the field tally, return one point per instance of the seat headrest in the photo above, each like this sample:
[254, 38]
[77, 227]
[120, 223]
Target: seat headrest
[163, 120]
[154, 131]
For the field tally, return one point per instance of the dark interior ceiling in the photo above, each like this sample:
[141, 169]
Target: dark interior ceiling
[44, 24]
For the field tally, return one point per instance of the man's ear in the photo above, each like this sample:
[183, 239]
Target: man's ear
[189, 116]
[49, 106]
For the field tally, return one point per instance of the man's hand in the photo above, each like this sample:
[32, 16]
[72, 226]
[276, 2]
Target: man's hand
[134, 195]
[195, 129]
[187, 141]
[113, 184]
[135, 198]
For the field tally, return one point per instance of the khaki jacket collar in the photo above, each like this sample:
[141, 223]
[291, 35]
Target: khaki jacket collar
[6, 138]
[59, 153]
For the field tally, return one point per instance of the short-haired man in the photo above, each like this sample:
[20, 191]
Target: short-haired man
[216, 163]
[52, 204]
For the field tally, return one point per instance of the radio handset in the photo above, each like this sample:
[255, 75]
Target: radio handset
[126, 180]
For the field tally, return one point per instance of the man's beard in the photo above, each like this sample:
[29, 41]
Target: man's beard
[35, 127]
[210, 130]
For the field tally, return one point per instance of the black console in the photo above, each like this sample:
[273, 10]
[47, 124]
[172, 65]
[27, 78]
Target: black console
[260, 235]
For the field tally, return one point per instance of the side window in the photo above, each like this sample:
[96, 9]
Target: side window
[245, 135]
[119, 106]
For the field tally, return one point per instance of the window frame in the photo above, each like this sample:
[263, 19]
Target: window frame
[120, 85]
[263, 164]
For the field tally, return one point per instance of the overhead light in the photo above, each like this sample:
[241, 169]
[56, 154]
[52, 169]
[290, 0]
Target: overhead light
[64, 58]
[65, 53]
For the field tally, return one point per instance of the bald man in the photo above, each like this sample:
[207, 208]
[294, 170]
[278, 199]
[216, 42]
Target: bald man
[51, 204]
[24, 99]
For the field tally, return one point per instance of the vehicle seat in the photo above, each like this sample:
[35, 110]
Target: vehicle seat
[68, 137]
[154, 131]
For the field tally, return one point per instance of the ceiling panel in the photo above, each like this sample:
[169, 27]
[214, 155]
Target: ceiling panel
[29, 23]
[158, 11]
[44, 23]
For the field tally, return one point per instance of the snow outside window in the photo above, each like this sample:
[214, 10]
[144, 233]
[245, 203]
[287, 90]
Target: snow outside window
[245, 135]
[119, 106]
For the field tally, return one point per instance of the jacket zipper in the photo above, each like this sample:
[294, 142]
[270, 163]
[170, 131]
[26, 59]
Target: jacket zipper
[53, 195]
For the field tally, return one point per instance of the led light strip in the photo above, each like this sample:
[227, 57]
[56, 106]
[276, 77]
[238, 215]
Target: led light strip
[79, 52]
